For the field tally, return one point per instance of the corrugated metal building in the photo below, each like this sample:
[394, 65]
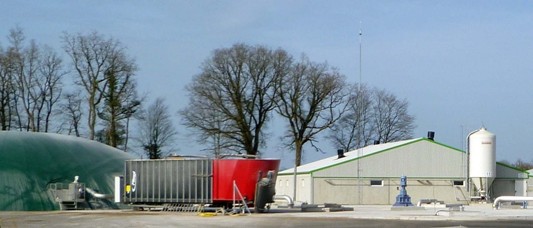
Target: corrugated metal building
[371, 175]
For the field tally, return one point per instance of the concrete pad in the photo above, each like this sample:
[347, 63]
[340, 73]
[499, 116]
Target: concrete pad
[411, 208]
[361, 216]
[324, 208]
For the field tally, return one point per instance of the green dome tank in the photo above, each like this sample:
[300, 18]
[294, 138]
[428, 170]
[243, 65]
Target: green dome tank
[30, 162]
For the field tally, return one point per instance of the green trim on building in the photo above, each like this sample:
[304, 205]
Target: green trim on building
[399, 146]
[513, 167]
[368, 155]
[378, 152]
[444, 145]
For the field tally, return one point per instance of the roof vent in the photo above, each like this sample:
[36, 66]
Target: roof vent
[431, 135]
[376, 142]
[340, 153]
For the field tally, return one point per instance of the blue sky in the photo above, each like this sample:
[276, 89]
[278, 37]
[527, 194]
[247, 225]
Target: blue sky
[460, 64]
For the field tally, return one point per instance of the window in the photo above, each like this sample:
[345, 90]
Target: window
[458, 183]
[376, 183]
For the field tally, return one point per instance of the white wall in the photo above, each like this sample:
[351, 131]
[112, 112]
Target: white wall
[530, 186]
[521, 187]
[285, 186]
[359, 191]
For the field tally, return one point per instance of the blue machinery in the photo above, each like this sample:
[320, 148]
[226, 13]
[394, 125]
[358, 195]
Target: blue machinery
[402, 199]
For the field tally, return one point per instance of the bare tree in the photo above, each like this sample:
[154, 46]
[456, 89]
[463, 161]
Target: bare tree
[31, 84]
[19, 66]
[523, 165]
[26, 60]
[73, 113]
[49, 87]
[7, 89]
[234, 95]
[353, 129]
[214, 140]
[391, 119]
[156, 129]
[36, 74]
[92, 57]
[312, 98]
[373, 115]
[18, 63]
[26, 85]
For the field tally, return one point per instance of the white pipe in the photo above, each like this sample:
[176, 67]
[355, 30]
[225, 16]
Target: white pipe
[289, 200]
[468, 161]
[98, 195]
[496, 204]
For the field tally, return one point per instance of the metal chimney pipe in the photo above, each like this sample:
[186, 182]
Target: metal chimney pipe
[431, 135]
[340, 153]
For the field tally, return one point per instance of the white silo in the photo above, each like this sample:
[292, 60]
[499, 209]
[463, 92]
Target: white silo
[482, 161]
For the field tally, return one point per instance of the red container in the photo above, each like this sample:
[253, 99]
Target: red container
[245, 173]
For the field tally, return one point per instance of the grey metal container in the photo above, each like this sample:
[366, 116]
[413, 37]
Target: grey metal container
[168, 181]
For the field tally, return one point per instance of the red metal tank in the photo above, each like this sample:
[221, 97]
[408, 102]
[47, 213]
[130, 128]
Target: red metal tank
[245, 172]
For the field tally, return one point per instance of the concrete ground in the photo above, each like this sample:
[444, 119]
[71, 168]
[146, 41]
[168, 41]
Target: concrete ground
[361, 216]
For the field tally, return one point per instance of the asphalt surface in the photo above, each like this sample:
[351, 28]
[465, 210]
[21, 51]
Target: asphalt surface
[361, 216]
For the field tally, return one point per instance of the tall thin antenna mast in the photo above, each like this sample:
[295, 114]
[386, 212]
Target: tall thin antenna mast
[360, 54]
[361, 113]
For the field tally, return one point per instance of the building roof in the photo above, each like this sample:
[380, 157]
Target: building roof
[30, 162]
[349, 156]
[379, 148]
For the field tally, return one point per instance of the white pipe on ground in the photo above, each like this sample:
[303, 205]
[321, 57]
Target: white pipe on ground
[496, 204]
[287, 198]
